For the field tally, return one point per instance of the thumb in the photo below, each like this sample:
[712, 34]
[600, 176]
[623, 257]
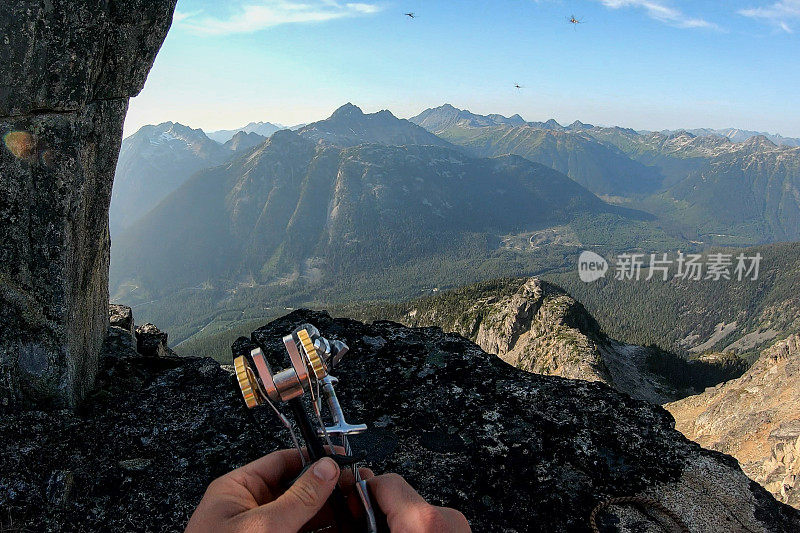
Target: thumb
[306, 496]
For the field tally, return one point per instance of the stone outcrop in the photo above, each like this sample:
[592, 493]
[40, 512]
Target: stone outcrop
[538, 327]
[121, 316]
[755, 418]
[121, 331]
[514, 451]
[151, 341]
[126, 338]
[67, 72]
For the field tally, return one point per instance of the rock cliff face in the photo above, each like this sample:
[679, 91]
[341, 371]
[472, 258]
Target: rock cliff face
[539, 328]
[67, 72]
[515, 451]
[755, 418]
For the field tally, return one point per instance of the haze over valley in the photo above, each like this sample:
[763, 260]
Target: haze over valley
[369, 207]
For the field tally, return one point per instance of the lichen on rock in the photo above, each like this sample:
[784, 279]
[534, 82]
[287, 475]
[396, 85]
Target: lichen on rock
[514, 451]
[68, 71]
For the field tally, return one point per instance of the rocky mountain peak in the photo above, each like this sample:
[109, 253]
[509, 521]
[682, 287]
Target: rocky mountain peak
[759, 142]
[244, 141]
[348, 110]
[186, 131]
[265, 129]
[578, 125]
[168, 132]
[349, 126]
[537, 327]
[441, 118]
[155, 161]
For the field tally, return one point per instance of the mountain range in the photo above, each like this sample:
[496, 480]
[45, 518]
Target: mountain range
[384, 211]
[736, 135]
[678, 176]
[304, 205]
[709, 188]
[601, 168]
[155, 161]
[265, 129]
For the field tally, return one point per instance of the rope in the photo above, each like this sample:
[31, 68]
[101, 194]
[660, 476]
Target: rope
[636, 500]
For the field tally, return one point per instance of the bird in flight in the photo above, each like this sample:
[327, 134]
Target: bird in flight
[573, 20]
[411, 15]
[518, 86]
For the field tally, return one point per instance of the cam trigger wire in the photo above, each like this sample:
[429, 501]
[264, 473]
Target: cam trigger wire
[288, 425]
[284, 421]
[640, 501]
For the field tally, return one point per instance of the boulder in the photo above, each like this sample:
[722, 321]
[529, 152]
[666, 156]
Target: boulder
[68, 69]
[121, 338]
[152, 342]
[121, 316]
[515, 451]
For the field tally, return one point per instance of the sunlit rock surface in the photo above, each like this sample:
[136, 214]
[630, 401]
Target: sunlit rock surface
[538, 327]
[755, 418]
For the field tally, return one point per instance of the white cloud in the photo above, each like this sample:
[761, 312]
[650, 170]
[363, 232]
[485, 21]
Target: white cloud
[180, 16]
[779, 14]
[367, 9]
[659, 10]
[269, 13]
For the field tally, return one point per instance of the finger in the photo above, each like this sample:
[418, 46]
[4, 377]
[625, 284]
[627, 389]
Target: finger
[425, 517]
[336, 449]
[265, 477]
[347, 479]
[276, 467]
[305, 497]
[366, 473]
[394, 495]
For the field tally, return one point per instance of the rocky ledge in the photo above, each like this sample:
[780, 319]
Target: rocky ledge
[515, 451]
[755, 418]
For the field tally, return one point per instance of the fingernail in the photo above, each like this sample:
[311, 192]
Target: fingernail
[326, 469]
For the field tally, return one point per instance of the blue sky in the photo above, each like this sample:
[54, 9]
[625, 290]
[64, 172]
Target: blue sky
[646, 64]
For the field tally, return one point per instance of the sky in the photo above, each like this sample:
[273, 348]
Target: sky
[645, 64]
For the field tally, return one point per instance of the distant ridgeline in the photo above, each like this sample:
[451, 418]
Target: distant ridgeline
[711, 188]
[371, 207]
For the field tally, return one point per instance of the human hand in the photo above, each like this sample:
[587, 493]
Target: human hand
[253, 498]
[408, 512]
